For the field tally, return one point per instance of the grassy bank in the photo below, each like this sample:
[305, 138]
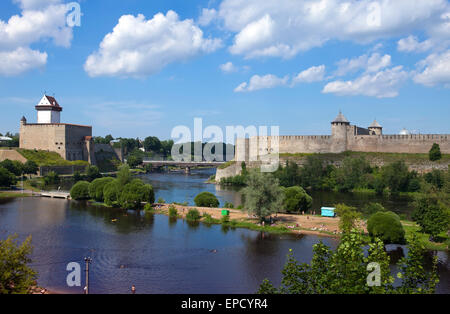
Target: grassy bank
[8, 194]
[44, 158]
[411, 227]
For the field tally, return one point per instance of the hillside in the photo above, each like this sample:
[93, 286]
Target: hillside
[45, 158]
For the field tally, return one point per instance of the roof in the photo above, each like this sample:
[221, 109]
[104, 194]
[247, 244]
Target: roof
[5, 138]
[48, 103]
[375, 124]
[340, 119]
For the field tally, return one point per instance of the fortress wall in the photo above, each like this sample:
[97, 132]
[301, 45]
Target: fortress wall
[399, 143]
[50, 137]
[304, 144]
[75, 141]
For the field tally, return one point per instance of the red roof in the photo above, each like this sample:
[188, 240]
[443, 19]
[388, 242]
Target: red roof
[52, 101]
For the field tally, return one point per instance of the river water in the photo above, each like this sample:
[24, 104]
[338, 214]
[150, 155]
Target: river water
[154, 253]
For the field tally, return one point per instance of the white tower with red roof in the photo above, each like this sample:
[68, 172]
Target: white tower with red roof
[48, 111]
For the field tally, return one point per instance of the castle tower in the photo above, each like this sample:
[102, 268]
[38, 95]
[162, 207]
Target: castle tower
[375, 128]
[48, 110]
[339, 129]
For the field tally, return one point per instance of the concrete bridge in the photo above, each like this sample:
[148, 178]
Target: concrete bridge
[187, 165]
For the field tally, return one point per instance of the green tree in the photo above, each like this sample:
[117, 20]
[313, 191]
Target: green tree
[51, 178]
[111, 192]
[352, 173]
[15, 167]
[386, 226]
[206, 199]
[435, 152]
[431, 215]
[97, 186]
[228, 205]
[16, 277]
[80, 191]
[7, 178]
[296, 199]
[135, 193]
[348, 217]
[30, 167]
[124, 175]
[396, 176]
[134, 160]
[263, 195]
[373, 208]
[193, 215]
[92, 173]
[153, 144]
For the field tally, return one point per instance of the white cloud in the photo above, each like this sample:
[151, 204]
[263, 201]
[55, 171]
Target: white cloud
[369, 64]
[383, 84]
[261, 82]
[412, 44]
[283, 28]
[138, 47]
[21, 60]
[39, 20]
[228, 67]
[435, 70]
[313, 74]
[207, 16]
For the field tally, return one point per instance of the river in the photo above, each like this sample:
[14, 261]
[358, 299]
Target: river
[152, 252]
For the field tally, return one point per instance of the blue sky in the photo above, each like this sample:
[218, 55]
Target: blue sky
[232, 62]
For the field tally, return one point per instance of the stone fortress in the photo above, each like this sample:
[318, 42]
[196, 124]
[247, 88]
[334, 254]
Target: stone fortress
[344, 137]
[70, 141]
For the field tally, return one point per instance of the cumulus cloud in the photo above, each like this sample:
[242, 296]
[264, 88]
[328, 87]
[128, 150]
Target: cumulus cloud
[207, 16]
[39, 20]
[283, 28]
[21, 60]
[383, 84]
[261, 82]
[434, 70]
[369, 64]
[228, 67]
[138, 47]
[313, 74]
[412, 44]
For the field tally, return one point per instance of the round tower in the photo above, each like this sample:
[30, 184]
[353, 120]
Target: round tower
[339, 129]
[375, 128]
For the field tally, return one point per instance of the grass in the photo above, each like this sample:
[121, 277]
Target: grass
[227, 164]
[411, 227]
[13, 195]
[385, 157]
[44, 158]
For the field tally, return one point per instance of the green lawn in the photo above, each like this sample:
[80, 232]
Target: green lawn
[44, 158]
[411, 227]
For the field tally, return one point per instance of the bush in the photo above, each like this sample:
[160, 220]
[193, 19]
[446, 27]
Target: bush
[77, 176]
[92, 173]
[387, 227]
[207, 218]
[435, 152]
[7, 178]
[431, 215]
[111, 192]
[193, 215]
[136, 192]
[148, 207]
[372, 208]
[15, 167]
[296, 199]
[173, 212]
[228, 205]
[51, 178]
[161, 200]
[30, 167]
[80, 191]
[206, 199]
[96, 188]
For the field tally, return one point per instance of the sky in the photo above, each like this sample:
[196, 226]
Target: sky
[140, 68]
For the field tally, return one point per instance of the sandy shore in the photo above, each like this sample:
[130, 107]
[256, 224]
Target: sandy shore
[299, 224]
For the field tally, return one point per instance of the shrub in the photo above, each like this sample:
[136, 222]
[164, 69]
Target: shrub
[431, 215]
[435, 152]
[80, 191]
[225, 220]
[173, 212]
[348, 217]
[296, 199]
[30, 167]
[161, 200]
[206, 199]
[136, 192]
[373, 208]
[96, 188]
[92, 173]
[77, 176]
[387, 227]
[15, 167]
[111, 192]
[193, 215]
[51, 178]
[207, 218]
[228, 205]
[7, 178]
[148, 207]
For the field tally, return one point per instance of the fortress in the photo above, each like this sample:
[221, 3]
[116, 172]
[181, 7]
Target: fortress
[344, 137]
[70, 141]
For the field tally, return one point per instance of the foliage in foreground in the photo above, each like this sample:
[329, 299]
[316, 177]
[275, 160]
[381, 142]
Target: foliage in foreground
[344, 271]
[386, 225]
[80, 191]
[15, 276]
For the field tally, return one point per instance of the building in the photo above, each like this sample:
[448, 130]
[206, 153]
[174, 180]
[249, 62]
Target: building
[344, 137]
[70, 141]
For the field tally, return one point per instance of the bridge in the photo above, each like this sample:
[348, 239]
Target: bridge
[55, 194]
[187, 165]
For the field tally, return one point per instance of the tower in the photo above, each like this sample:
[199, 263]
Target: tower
[48, 110]
[339, 130]
[375, 128]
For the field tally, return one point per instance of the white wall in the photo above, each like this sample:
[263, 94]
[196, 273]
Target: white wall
[48, 116]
